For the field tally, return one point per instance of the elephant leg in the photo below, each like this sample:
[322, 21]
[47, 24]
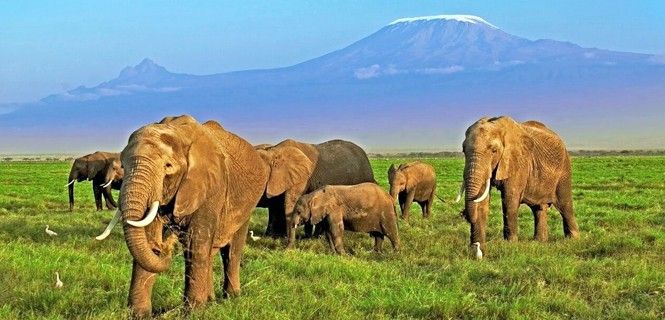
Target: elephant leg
[198, 262]
[509, 206]
[430, 202]
[309, 228]
[378, 241]
[331, 241]
[271, 222]
[108, 196]
[565, 206]
[406, 207]
[211, 278]
[231, 256]
[337, 233]
[97, 192]
[290, 199]
[140, 291]
[540, 222]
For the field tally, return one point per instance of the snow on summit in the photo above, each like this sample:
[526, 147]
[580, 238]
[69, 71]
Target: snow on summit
[458, 17]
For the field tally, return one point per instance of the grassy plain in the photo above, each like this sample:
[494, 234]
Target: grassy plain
[615, 271]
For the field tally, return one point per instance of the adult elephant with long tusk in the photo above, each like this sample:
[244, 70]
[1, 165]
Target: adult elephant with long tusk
[105, 172]
[199, 182]
[528, 163]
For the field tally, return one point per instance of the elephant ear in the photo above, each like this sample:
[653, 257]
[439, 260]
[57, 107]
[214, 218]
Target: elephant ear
[391, 172]
[96, 167]
[514, 144]
[289, 167]
[206, 175]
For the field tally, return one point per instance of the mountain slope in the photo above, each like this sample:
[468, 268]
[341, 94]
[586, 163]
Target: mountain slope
[415, 84]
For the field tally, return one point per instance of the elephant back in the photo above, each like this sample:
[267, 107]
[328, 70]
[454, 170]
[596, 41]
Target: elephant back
[340, 163]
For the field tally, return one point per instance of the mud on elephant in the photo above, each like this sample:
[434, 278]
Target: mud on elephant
[528, 163]
[105, 171]
[199, 182]
[365, 207]
[298, 168]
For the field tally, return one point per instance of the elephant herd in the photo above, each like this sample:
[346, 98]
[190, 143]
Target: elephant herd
[197, 184]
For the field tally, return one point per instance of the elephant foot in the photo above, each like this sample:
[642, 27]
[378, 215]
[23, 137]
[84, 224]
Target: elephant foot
[230, 293]
[140, 313]
[573, 235]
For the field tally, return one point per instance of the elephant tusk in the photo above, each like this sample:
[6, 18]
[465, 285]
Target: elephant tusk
[460, 193]
[70, 183]
[485, 194]
[106, 184]
[112, 224]
[148, 218]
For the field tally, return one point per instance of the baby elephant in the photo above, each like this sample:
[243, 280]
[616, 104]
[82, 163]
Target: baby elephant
[413, 181]
[363, 207]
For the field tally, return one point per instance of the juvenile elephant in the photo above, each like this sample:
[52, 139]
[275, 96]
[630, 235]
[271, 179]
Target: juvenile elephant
[528, 163]
[200, 182]
[413, 181]
[298, 168]
[364, 207]
[105, 171]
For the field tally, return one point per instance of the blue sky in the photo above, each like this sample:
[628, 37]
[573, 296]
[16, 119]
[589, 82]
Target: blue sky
[52, 46]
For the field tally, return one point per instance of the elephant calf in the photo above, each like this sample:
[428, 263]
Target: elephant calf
[413, 181]
[363, 207]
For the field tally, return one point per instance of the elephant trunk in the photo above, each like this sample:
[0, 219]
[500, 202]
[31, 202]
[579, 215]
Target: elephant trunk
[476, 185]
[137, 193]
[393, 192]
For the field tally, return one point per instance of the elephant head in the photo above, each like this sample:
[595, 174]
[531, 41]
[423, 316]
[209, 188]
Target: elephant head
[493, 149]
[311, 207]
[397, 180]
[114, 172]
[175, 164]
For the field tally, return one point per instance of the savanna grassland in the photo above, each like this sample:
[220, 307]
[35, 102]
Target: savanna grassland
[616, 270]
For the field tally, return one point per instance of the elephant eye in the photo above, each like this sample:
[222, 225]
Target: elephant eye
[169, 165]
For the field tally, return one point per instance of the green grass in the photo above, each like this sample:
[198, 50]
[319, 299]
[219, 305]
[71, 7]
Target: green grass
[616, 270]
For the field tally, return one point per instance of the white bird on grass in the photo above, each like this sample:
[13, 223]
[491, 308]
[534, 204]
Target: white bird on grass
[477, 251]
[49, 232]
[58, 282]
[254, 238]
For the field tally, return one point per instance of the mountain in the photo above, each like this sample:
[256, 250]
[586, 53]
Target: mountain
[415, 84]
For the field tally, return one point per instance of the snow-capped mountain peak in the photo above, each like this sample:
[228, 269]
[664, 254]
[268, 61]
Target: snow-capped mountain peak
[456, 17]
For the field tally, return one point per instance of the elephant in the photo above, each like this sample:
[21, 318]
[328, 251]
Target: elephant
[364, 207]
[105, 171]
[197, 182]
[413, 181]
[297, 168]
[528, 163]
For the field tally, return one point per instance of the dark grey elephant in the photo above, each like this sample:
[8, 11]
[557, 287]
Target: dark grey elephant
[105, 171]
[298, 168]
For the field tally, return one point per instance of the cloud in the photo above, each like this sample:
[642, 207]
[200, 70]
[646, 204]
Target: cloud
[376, 70]
[368, 72]
[446, 70]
